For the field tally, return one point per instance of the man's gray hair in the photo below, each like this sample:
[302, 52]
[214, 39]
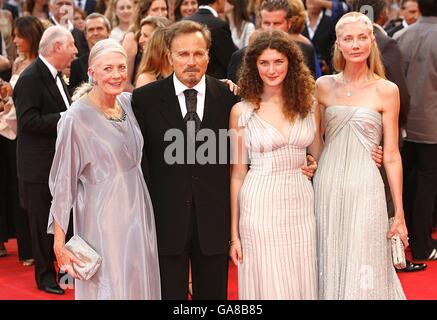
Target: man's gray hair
[96, 15]
[52, 35]
[52, 2]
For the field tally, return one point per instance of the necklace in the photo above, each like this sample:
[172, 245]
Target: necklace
[118, 116]
[349, 92]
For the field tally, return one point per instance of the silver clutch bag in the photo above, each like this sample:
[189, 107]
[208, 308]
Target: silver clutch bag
[81, 250]
[397, 250]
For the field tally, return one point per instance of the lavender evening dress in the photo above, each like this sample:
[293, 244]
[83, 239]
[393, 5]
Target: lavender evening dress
[96, 171]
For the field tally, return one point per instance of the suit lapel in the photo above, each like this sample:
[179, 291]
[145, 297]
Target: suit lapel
[170, 108]
[50, 84]
[205, 12]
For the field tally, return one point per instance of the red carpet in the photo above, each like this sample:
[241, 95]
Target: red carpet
[17, 282]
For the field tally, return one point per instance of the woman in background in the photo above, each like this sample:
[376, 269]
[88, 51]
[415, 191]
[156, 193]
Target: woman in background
[27, 33]
[79, 18]
[131, 40]
[185, 8]
[120, 13]
[36, 8]
[155, 64]
[239, 22]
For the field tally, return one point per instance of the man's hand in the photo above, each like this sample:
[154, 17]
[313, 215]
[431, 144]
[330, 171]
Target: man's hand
[378, 156]
[232, 86]
[309, 169]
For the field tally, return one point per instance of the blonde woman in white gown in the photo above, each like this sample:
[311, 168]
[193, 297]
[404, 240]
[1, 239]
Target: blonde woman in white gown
[359, 108]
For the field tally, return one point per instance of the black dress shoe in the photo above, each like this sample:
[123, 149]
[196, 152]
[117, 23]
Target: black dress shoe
[53, 288]
[413, 267]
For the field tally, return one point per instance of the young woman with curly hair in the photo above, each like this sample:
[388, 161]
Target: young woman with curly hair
[273, 235]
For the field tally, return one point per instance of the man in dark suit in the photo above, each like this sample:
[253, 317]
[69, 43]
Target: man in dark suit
[40, 96]
[89, 6]
[97, 27]
[222, 45]
[418, 45]
[190, 197]
[392, 59]
[61, 13]
[410, 13]
[320, 29]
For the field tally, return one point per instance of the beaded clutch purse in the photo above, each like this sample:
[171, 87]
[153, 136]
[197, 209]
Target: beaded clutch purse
[86, 254]
[397, 250]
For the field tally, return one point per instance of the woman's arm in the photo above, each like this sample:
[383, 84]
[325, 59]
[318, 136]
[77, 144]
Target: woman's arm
[144, 79]
[389, 93]
[131, 46]
[239, 168]
[315, 148]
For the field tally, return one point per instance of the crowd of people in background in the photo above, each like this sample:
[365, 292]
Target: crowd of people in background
[133, 69]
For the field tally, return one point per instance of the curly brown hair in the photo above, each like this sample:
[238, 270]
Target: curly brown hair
[298, 86]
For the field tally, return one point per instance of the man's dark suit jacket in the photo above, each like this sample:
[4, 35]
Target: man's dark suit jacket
[395, 29]
[78, 72]
[222, 45]
[175, 188]
[12, 8]
[324, 39]
[38, 104]
[90, 6]
[392, 60]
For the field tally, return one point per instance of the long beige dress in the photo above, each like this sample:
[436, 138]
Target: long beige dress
[353, 252]
[277, 223]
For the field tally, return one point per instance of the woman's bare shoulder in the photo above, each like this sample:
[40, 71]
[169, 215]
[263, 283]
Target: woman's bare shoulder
[326, 82]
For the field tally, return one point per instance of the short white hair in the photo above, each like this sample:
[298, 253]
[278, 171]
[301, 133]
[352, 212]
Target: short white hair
[103, 47]
[51, 36]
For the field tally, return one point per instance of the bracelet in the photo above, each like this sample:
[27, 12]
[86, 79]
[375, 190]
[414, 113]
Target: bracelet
[231, 242]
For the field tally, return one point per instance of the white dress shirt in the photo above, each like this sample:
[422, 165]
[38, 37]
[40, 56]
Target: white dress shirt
[210, 9]
[311, 31]
[201, 90]
[54, 73]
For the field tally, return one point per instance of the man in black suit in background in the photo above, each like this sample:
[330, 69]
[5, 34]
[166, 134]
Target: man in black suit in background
[392, 60]
[89, 6]
[222, 45]
[40, 96]
[190, 198]
[97, 27]
[320, 29]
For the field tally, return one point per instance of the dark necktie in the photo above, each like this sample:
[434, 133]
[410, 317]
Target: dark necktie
[191, 102]
[79, 3]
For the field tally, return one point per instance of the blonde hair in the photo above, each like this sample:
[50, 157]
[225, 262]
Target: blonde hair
[111, 15]
[100, 48]
[374, 61]
[154, 59]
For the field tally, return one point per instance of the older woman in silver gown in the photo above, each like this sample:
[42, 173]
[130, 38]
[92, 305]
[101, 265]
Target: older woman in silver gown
[96, 171]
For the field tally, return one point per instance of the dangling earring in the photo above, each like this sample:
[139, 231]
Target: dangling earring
[91, 81]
